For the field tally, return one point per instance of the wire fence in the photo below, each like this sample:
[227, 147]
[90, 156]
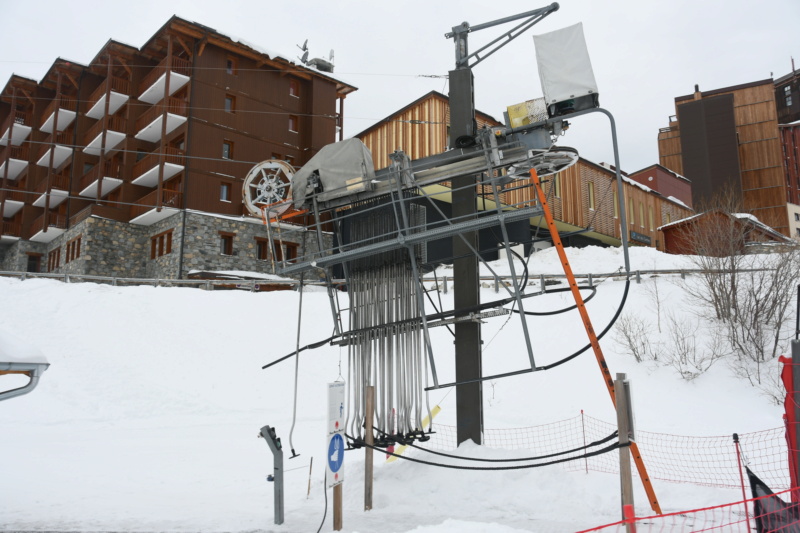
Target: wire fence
[707, 461]
[756, 514]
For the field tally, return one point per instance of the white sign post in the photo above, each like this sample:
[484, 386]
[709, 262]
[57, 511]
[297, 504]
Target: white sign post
[334, 456]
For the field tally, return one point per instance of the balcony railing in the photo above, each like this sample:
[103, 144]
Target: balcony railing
[175, 106]
[64, 138]
[104, 211]
[118, 85]
[114, 124]
[57, 181]
[55, 221]
[171, 155]
[17, 195]
[14, 152]
[111, 170]
[10, 228]
[63, 102]
[149, 202]
[179, 65]
[17, 117]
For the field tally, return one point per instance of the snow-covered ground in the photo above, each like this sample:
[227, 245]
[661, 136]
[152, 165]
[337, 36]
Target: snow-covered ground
[147, 419]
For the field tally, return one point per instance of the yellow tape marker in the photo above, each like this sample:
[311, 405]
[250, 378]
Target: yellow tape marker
[425, 423]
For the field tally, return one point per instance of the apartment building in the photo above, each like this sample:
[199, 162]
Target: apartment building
[133, 164]
[583, 197]
[735, 138]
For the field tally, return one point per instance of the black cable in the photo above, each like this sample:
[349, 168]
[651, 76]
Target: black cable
[325, 490]
[517, 459]
[601, 451]
[557, 311]
[600, 336]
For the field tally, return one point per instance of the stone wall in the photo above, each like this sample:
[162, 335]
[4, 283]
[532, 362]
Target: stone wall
[15, 257]
[118, 249]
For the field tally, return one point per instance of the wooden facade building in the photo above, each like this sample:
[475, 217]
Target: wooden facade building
[140, 134]
[729, 138]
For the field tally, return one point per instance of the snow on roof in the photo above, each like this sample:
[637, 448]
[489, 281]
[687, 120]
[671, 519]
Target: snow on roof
[681, 221]
[740, 216]
[676, 174]
[15, 350]
[271, 53]
[795, 123]
[678, 201]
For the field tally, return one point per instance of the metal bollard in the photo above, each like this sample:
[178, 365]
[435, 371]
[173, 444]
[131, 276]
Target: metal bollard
[268, 434]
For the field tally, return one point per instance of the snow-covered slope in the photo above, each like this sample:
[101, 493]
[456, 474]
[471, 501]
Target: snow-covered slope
[148, 416]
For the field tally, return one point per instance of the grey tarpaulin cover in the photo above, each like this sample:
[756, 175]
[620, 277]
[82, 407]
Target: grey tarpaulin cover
[344, 168]
[564, 66]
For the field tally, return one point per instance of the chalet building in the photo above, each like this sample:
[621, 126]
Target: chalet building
[583, 197]
[716, 233]
[731, 138]
[787, 97]
[133, 164]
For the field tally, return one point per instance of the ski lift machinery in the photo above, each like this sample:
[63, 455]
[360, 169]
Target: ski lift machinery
[379, 219]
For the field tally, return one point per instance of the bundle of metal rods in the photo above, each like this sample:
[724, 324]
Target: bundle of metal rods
[385, 349]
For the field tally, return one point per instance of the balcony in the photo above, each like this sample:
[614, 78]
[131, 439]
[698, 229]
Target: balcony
[145, 212]
[152, 86]
[20, 132]
[65, 105]
[149, 124]
[145, 172]
[59, 190]
[15, 200]
[17, 161]
[115, 134]
[63, 150]
[10, 231]
[90, 183]
[117, 97]
[56, 225]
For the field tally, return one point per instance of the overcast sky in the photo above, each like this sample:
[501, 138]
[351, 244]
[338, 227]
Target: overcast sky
[644, 53]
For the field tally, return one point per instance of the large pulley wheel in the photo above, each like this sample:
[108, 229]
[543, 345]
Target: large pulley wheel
[268, 185]
[552, 160]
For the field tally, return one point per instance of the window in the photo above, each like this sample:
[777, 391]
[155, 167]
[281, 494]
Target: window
[557, 186]
[276, 155]
[73, 249]
[669, 218]
[591, 195]
[289, 159]
[225, 192]
[161, 244]
[34, 262]
[293, 124]
[227, 150]
[291, 251]
[230, 103]
[616, 205]
[797, 231]
[797, 217]
[641, 214]
[226, 243]
[294, 88]
[54, 260]
[230, 66]
[262, 249]
[652, 220]
[630, 210]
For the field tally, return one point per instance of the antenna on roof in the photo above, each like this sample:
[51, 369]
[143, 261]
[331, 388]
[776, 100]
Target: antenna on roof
[304, 48]
[330, 58]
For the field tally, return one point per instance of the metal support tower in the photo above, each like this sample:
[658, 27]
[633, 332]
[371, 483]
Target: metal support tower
[466, 282]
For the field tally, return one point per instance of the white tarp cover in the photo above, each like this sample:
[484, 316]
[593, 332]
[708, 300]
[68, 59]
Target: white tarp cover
[344, 167]
[564, 65]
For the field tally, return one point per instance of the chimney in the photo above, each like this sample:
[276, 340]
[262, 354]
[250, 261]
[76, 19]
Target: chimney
[697, 94]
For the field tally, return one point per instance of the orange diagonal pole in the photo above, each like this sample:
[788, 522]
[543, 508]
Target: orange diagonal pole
[587, 323]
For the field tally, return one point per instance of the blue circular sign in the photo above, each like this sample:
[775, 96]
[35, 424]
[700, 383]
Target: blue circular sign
[336, 453]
